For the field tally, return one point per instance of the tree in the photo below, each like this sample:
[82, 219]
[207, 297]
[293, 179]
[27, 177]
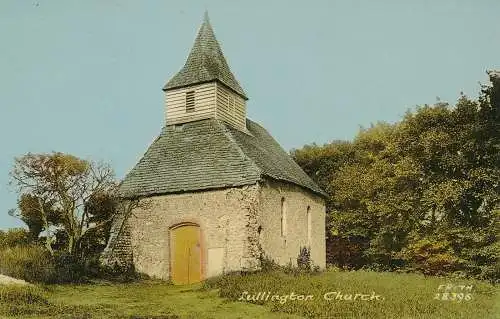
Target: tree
[60, 196]
[399, 191]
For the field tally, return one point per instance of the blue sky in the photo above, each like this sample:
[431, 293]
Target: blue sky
[85, 77]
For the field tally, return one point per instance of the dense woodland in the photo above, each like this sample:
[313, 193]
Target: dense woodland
[422, 194]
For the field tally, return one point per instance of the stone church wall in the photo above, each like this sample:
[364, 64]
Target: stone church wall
[118, 252]
[237, 224]
[285, 249]
[223, 216]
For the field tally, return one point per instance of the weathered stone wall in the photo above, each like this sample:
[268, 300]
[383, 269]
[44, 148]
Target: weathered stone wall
[223, 217]
[236, 224]
[284, 249]
[118, 252]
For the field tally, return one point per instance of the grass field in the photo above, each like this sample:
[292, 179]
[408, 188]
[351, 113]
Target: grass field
[137, 300]
[400, 296]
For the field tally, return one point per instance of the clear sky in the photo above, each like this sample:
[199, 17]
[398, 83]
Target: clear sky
[85, 77]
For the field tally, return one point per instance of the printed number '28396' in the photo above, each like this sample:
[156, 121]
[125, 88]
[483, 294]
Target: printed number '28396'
[453, 296]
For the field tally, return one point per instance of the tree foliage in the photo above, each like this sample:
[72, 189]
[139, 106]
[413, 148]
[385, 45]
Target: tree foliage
[67, 202]
[422, 193]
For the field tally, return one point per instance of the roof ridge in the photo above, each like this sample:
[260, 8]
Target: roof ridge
[228, 134]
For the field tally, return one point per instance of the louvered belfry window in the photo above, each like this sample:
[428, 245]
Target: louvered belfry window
[190, 101]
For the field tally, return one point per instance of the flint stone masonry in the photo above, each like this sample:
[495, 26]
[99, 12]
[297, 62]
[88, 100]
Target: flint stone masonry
[230, 221]
[118, 252]
[285, 249]
[222, 215]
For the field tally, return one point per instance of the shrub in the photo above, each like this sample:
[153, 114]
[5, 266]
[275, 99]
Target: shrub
[347, 252]
[482, 259]
[304, 264]
[32, 263]
[14, 237]
[304, 259]
[431, 257]
[114, 272]
[267, 263]
[69, 268]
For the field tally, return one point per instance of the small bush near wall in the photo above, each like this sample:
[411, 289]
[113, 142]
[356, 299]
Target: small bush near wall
[267, 263]
[304, 259]
[115, 273]
[304, 264]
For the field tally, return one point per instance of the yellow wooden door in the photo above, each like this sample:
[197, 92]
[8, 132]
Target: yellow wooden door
[185, 254]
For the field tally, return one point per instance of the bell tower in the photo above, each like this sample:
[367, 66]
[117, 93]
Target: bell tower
[205, 87]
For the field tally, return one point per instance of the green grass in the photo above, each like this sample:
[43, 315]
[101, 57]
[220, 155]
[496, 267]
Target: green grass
[135, 300]
[404, 296]
[401, 295]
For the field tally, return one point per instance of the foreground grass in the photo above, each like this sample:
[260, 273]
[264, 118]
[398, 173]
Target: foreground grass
[401, 296]
[137, 300]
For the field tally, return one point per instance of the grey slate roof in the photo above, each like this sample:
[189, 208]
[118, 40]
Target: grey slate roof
[205, 63]
[210, 154]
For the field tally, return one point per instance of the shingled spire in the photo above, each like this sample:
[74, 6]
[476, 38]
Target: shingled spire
[205, 63]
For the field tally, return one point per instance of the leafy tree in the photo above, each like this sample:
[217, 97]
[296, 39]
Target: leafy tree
[65, 198]
[399, 191]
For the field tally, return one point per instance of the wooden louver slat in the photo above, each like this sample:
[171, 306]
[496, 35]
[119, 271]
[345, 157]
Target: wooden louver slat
[190, 101]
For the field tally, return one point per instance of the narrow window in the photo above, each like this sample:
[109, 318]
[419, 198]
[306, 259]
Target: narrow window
[309, 226]
[283, 217]
[190, 101]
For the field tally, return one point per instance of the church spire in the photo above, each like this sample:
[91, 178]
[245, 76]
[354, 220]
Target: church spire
[205, 63]
[205, 17]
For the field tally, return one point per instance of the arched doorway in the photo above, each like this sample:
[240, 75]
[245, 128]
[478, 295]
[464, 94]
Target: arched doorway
[185, 253]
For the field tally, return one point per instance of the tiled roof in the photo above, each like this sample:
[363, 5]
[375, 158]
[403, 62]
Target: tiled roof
[210, 154]
[270, 157]
[205, 63]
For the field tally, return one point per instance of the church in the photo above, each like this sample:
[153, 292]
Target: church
[221, 192]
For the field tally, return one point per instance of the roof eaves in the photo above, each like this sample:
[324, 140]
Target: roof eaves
[168, 87]
[184, 191]
[318, 191]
